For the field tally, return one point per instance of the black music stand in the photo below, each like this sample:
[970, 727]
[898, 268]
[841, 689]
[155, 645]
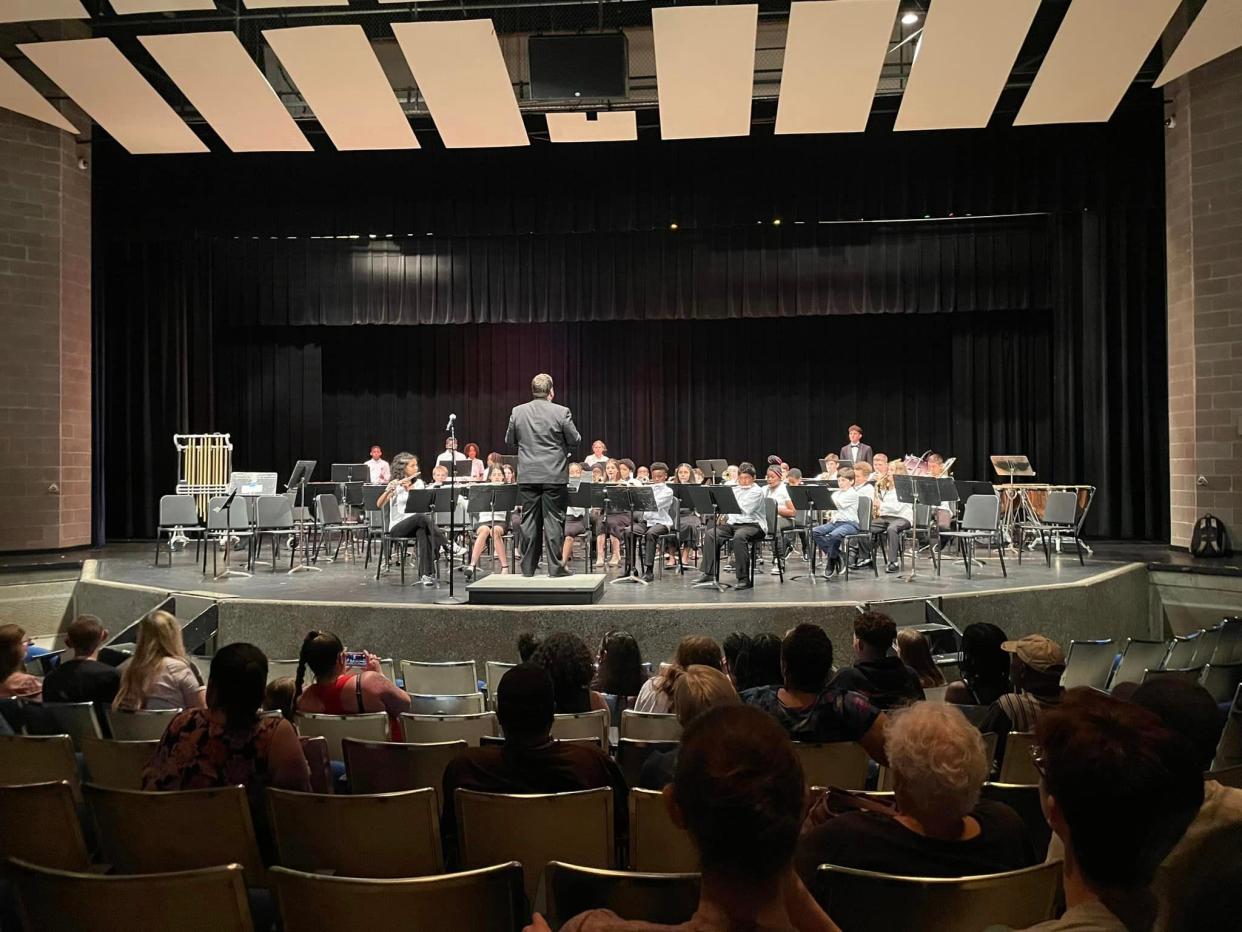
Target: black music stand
[609, 498]
[226, 507]
[723, 502]
[302, 471]
[637, 498]
[712, 469]
[1012, 465]
[492, 497]
[581, 497]
[804, 499]
[349, 472]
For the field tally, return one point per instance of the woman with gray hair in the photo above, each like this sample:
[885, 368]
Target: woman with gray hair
[939, 826]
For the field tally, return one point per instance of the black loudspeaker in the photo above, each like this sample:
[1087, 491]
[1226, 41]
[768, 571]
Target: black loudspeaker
[588, 66]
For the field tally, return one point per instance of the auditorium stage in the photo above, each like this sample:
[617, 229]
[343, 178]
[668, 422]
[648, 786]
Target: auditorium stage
[1109, 597]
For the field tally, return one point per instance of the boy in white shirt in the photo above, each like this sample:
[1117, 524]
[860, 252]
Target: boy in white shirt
[828, 537]
[649, 525]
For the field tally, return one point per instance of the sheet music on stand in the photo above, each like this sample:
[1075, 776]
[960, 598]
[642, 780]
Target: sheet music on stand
[723, 503]
[254, 483]
[712, 470]
[637, 499]
[926, 491]
[1012, 465]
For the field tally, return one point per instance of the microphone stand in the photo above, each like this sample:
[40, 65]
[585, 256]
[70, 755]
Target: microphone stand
[452, 598]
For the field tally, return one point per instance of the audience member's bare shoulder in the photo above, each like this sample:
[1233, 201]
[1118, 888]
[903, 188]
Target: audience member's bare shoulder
[605, 920]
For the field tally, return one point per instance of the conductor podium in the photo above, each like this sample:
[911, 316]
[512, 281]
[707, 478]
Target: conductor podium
[515, 589]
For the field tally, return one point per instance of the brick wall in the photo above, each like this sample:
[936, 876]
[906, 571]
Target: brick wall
[1203, 174]
[45, 337]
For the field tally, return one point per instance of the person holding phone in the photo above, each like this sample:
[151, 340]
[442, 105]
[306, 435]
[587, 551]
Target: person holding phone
[346, 682]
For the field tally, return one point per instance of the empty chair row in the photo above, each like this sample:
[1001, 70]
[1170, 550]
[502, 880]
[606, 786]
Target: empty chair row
[1203, 657]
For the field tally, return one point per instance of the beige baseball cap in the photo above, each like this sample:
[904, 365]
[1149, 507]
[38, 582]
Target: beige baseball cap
[1037, 652]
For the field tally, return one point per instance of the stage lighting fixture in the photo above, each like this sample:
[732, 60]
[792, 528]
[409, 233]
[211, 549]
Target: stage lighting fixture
[909, 19]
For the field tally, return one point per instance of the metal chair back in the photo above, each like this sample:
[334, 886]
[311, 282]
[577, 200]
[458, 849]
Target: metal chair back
[1089, 663]
[1061, 509]
[660, 898]
[273, 512]
[981, 514]
[178, 511]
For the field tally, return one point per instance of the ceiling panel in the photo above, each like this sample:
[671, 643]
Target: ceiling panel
[279, 4]
[967, 51]
[100, 80]
[225, 86]
[833, 55]
[608, 126]
[1093, 59]
[18, 95]
[127, 7]
[705, 69]
[1216, 31]
[20, 11]
[339, 77]
[462, 76]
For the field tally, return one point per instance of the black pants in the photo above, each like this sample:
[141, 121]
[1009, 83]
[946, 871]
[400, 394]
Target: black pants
[428, 539]
[649, 535]
[543, 511]
[741, 535]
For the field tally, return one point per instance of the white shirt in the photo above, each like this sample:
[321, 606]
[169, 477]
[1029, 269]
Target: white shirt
[379, 471]
[483, 517]
[396, 504]
[890, 507]
[846, 502]
[455, 455]
[780, 494]
[664, 506]
[593, 459]
[854, 457]
[750, 499]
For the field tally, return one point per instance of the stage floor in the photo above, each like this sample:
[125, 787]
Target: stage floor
[347, 580]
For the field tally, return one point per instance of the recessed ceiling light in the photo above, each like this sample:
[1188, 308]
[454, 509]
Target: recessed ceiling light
[909, 19]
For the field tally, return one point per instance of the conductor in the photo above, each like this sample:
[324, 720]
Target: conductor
[544, 433]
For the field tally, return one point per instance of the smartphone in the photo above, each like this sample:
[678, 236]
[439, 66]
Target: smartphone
[355, 658]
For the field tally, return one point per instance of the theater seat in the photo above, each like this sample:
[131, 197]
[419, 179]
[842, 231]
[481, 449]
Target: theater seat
[663, 898]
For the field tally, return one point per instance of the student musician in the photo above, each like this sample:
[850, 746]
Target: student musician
[830, 467]
[855, 451]
[477, 470]
[489, 525]
[377, 466]
[894, 516]
[451, 454]
[828, 537]
[741, 529]
[599, 454]
[643, 474]
[785, 511]
[627, 472]
[863, 480]
[597, 472]
[575, 517]
[401, 524]
[651, 525]
[690, 523]
[613, 526]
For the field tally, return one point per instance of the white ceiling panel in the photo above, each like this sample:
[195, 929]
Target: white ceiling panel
[1216, 31]
[18, 95]
[462, 77]
[833, 55]
[225, 86]
[608, 126]
[705, 69]
[339, 77]
[21, 11]
[128, 7]
[279, 4]
[1096, 54]
[967, 52]
[100, 80]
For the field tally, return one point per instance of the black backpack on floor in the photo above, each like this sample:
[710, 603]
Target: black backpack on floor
[1210, 538]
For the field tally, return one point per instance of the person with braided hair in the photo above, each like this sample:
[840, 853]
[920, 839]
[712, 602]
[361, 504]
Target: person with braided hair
[340, 690]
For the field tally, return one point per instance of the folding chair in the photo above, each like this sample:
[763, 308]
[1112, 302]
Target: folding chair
[660, 898]
[436, 729]
[656, 844]
[39, 823]
[979, 525]
[178, 516]
[451, 678]
[582, 725]
[393, 766]
[366, 726]
[141, 725]
[117, 765]
[649, 726]
[1089, 663]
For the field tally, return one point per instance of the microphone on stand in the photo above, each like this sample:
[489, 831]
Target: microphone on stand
[449, 425]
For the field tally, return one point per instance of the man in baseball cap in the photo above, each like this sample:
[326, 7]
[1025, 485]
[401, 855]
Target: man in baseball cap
[1035, 667]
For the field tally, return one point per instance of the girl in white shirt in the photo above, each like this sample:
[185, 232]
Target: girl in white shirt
[489, 525]
[159, 675]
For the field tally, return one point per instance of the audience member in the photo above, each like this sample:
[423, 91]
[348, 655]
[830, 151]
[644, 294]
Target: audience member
[1119, 790]
[83, 678]
[733, 647]
[697, 690]
[341, 690]
[228, 743]
[657, 693]
[15, 682]
[881, 677]
[940, 827]
[984, 666]
[619, 674]
[807, 708]
[738, 793]
[530, 761]
[159, 675]
[527, 644]
[568, 661]
[915, 652]
[278, 696]
[760, 663]
[1035, 670]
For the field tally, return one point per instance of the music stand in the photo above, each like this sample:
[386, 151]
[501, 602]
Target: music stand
[1012, 465]
[723, 502]
[491, 497]
[302, 471]
[637, 498]
[712, 469]
[349, 472]
[226, 507]
[581, 497]
[810, 498]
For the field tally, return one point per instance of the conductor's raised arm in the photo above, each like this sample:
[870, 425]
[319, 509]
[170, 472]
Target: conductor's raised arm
[510, 433]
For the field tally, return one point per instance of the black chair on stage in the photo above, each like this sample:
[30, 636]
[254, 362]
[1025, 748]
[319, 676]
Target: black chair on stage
[862, 540]
[1060, 518]
[673, 536]
[923, 534]
[980, 524]
[373, 518]
[273, 519]
[388, 542]
[178, 516]
[328, 520]
[224, 524]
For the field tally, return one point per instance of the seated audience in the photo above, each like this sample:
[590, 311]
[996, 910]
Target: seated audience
[1119, 790]
[915, 652]
[83, 678]
[984, 666]
[15, 682]
[696, 690]
[738, 793]
[278, 696]
[527, 644]
[341, 690]
[732, 647]
[940, 827]
[657, 693]
[228, 743]
[1035, 670]
[159, 675]
[568, 661]
[807, 708]
[619, 673]
[760, 663]
[881, 677]
[530, 760]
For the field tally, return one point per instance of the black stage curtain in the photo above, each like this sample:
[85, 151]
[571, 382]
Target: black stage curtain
[221, 306]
